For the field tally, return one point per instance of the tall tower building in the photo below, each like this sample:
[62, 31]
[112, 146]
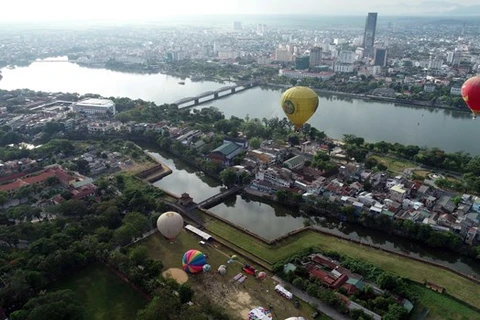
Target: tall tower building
[369, 34]
[380, 58]
[315, 56]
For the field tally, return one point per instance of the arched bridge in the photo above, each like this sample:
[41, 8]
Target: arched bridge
[189, 102]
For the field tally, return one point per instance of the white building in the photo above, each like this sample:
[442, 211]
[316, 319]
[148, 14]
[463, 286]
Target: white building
[95, 106]
[343, 67]
[346, 57]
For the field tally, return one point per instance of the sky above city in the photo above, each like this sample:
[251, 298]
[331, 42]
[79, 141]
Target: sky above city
[45, 10]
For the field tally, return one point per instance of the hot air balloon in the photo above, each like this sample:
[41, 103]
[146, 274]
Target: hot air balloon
[170, 224]
[299, 104]
[207, 268]
[261, 275]
[222, 271]
[471, 94]
[193, 261]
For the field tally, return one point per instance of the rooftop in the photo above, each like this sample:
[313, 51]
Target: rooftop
[96, 102]
[227, 148]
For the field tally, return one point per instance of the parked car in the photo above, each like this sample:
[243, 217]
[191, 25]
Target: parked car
[296, 303]
[315, 315]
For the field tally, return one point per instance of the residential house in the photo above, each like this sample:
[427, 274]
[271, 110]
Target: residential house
[398, 193]
[294, 163]
[225, 153]
[278, 177]
[239, 141]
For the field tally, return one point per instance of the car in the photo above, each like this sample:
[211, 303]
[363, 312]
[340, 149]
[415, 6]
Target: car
[296, 303]
[315, 315]
[201, 242]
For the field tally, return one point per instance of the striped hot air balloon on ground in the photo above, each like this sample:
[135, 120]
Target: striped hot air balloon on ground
[193, 261]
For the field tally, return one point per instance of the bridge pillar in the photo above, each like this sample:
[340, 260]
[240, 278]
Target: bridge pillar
[196, 102]
[215, 95]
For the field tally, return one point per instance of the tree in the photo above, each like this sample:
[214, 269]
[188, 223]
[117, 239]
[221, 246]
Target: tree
[293, 139]
[254, 143]
[138, 255]
[3, 198]
[162, 306]
[396, 312]
[228, 177]
[185, 293]
[52, 305]
[137, 221]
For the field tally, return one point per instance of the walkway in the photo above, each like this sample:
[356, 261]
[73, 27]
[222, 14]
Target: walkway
[321, 306]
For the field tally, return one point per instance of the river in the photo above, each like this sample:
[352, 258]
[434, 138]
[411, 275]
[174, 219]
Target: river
[271, 220]
[336, 116]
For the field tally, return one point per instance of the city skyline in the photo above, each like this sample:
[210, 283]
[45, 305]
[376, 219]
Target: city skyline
[57, 10]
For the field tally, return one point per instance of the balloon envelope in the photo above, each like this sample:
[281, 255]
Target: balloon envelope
[193, 261]
[222, 271]
[170, 224]
[471, 94]
[261, 275]
[299, 104]
[207, 268]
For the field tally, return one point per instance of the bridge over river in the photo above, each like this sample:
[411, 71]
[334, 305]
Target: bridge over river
[205, 204]
[208, 96]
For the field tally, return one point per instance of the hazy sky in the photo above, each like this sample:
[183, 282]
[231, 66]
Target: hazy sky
[44, 10]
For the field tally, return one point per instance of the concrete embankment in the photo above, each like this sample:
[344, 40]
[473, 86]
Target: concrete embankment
[154, 173]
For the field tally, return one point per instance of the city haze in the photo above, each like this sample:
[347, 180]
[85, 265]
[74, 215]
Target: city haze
[57, 10]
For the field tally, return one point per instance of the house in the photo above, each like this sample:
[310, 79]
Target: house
[398, 193]
[225, 153]
[429, 87]
[278, 177]
[238, 141]
[294, 163]
[472, 235]
[476, 204]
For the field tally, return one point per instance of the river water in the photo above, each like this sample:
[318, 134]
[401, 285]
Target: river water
[374, 121]
[336, 116]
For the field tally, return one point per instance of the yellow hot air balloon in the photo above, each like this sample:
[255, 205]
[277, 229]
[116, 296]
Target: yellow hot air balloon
[299, 104]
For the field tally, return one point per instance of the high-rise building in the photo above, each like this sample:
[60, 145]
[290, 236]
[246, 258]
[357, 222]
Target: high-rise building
[315, 56]
[346, 57]
[302, 63]
[369, 34]
[237, 25]
[380, 58]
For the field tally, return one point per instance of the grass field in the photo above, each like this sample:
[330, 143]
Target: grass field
[394, 165]
[103, 295]
[238, 299]
[440, 306]
[417, 271]
[421, 173]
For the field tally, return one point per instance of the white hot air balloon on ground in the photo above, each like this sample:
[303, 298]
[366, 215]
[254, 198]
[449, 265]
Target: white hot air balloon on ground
[170, 224]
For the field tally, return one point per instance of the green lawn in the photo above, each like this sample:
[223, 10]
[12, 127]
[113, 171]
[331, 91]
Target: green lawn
[417, 271]
[103, 295]
[441, 306]
[239, 298]
[394, 165]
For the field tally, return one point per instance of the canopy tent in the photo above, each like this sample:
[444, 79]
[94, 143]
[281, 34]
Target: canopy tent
[260, 313]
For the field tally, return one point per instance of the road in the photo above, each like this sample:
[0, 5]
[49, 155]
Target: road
[321, 306]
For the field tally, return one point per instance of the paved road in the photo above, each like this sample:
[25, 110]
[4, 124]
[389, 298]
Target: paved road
[322, 307]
